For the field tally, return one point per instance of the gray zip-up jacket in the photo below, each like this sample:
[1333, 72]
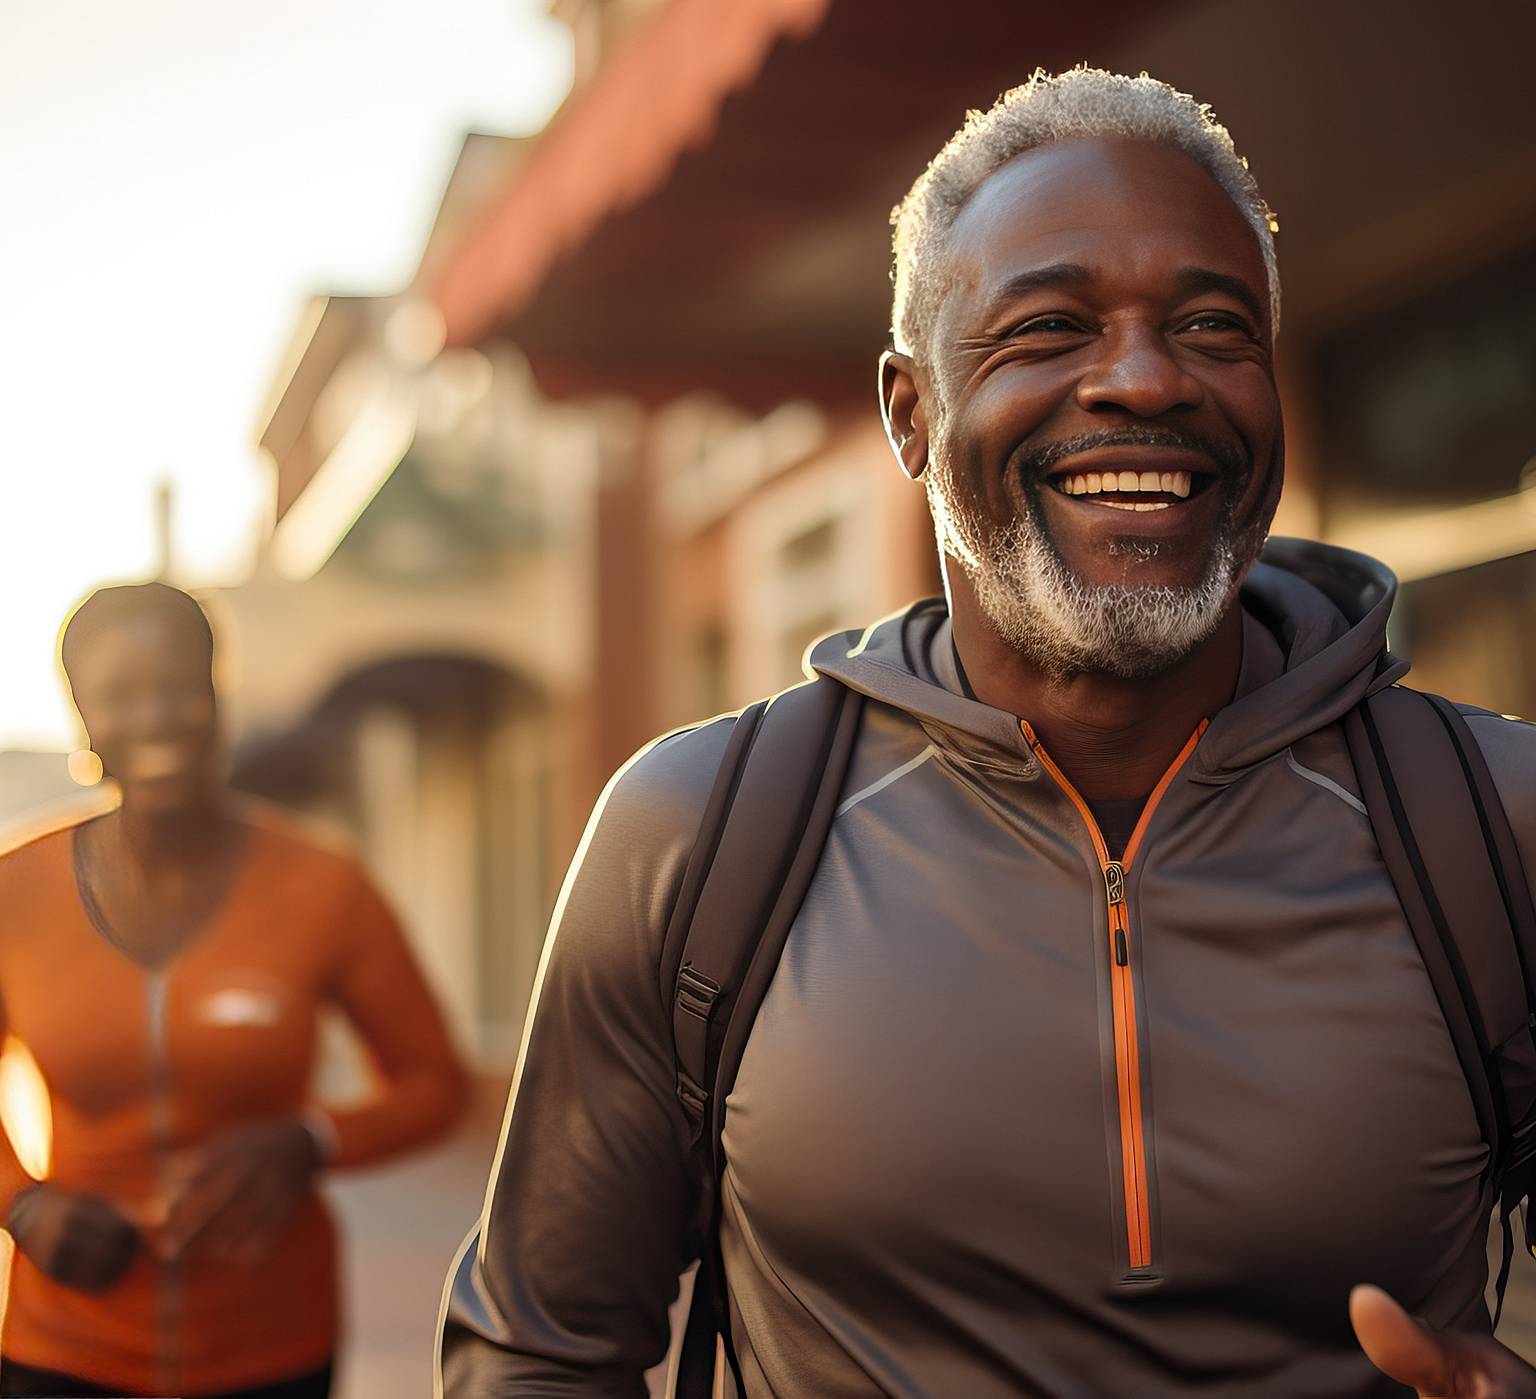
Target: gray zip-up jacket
[1015, 1118]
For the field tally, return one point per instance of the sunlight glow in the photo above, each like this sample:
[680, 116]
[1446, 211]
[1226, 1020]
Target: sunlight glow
[1423, 543]
[24, 1110]
[180, 177]
[348, 479]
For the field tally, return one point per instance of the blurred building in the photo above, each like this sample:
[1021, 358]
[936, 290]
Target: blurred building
[613, 458]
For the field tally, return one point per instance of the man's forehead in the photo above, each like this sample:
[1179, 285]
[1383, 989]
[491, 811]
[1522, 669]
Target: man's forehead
[1085, 201]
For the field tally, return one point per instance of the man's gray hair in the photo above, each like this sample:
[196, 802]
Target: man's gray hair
[1081, 102]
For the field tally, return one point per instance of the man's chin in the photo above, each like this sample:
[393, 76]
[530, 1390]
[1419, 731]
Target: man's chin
[1068, 626]
[1164, 578]
[1132, 562]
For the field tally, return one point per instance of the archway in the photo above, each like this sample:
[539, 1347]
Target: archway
[439, 767]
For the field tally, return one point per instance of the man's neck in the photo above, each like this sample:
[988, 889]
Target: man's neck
[1111, 737]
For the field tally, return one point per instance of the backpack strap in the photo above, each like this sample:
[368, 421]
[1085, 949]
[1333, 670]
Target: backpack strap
[1517, 1053]
[759, 843]
[1447, 844]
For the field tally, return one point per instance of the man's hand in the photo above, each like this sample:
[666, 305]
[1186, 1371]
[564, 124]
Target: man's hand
[233, 1197]
[78, 1240]
[1439, 1364]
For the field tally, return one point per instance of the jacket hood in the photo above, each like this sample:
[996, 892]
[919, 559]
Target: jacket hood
[1314, 645]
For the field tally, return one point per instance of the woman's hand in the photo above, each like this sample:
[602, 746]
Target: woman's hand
[234, 1196]
[1438, 1364]
[78, 1240]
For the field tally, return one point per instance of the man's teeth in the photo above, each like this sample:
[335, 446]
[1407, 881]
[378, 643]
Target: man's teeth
[1125, 482]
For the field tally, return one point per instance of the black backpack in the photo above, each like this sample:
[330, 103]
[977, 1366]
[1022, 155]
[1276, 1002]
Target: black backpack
[1432, 804]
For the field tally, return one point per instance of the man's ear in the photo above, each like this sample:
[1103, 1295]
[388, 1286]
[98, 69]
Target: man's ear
[903, 412]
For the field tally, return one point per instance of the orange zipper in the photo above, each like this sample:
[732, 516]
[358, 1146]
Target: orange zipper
[1122, 988]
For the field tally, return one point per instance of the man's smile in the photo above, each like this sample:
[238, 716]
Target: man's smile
[1152, 490]
[1134, 479]
[1168, 482]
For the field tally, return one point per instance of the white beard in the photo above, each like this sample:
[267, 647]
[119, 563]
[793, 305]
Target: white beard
[1046, 612]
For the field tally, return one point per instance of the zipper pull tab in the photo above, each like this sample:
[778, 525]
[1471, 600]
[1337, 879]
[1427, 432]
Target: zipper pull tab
[1114, 888]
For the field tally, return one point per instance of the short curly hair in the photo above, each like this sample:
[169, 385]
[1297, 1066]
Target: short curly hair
[1080, 102]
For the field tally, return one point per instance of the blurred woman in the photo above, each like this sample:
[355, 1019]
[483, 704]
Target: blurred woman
[165, 965]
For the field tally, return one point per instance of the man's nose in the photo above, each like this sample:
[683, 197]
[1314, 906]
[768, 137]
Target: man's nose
[1137, 373]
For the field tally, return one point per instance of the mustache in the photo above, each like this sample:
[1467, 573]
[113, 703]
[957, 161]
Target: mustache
[1230, 462]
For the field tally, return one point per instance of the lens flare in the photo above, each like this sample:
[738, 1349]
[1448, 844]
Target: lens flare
[24, 1110]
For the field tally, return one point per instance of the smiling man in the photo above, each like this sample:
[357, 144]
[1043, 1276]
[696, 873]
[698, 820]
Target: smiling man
[1100, 1059]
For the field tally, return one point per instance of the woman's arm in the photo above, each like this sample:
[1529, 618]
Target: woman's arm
[421, 1084]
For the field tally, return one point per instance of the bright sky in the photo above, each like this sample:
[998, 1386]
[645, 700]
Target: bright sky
[175, 178]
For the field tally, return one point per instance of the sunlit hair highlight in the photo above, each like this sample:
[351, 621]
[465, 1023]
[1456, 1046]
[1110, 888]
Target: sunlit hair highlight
[1082, 102]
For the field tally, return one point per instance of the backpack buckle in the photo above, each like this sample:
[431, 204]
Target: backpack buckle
[694, 1098]
[696, 993]
[1522, 1146]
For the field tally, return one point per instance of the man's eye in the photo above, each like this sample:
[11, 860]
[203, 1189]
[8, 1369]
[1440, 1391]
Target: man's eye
[1049, 325]
[1215, 321]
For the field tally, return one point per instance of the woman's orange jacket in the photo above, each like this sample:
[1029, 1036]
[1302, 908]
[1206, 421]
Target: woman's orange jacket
[140, 1065]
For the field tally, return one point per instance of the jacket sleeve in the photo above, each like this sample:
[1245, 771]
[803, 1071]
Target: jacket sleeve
[566, 1286]
[421, 1085]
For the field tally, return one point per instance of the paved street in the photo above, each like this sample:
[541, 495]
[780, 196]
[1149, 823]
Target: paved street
[401, 1226]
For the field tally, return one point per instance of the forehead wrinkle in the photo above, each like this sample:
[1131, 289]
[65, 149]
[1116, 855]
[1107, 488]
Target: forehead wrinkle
[1123, 172]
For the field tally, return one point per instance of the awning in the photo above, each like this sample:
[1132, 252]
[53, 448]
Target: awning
[615, 143]
[711, 209]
